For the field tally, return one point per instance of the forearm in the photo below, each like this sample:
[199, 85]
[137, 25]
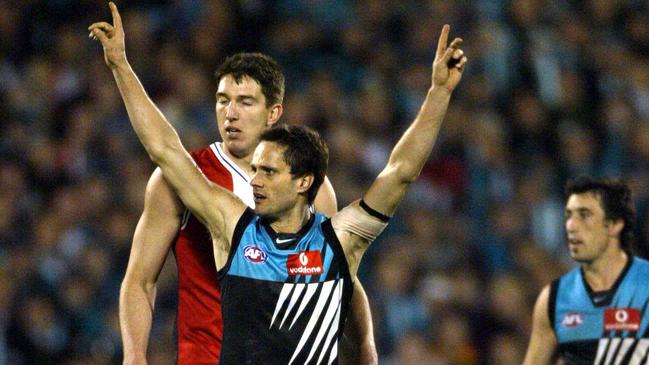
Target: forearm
[135, 318]
[154, 131]
[414, 147]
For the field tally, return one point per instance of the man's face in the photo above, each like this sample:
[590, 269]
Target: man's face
[589, 233]
[275, 189]
[241, 114]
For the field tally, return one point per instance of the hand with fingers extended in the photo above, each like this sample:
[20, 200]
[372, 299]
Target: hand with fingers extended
[111, 38]
[449, 61]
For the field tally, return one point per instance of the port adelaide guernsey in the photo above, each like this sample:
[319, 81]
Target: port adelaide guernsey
[602, 328]
[284, 297]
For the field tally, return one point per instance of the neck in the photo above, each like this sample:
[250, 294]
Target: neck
[243, 162]
[602, 273]
[293, 220]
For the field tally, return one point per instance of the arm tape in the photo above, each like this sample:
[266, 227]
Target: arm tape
[356, 220]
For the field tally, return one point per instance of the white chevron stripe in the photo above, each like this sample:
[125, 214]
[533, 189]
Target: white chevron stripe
[310, 290]
[296, 294]
[626, 344]
[334, 303]
[601, 347]
[332, 332]
[615, 342]
[324, 295]
[640, 352]
[280, 302]
[334, 353]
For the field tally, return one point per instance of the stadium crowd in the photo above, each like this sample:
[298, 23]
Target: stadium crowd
[553, 90]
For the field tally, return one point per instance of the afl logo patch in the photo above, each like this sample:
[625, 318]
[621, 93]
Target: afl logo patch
[254, 254]
[571, 320]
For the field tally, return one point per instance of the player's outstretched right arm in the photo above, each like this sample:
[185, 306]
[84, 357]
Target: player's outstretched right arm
[154, 235]
[543, 343]
[206, 200]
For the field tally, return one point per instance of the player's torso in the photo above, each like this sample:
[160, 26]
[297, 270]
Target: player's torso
[284, 304]
[611, 329]
[199, 322]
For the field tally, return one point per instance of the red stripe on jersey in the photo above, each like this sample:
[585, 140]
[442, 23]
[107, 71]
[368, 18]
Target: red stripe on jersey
[199, 321]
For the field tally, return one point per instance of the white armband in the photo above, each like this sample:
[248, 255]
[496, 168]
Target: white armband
[361, 220]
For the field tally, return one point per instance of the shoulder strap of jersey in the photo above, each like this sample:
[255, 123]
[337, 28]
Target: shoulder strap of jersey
[246, 218]
[337, 248]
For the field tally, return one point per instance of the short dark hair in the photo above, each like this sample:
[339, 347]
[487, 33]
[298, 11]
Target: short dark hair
[306, 153]
[259, 67]
[616, 200]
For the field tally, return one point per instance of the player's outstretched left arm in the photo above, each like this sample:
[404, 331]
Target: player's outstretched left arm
[413, 148]
[358, 224]
[206, 200]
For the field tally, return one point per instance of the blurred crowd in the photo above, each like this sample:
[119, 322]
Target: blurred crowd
[553, 90]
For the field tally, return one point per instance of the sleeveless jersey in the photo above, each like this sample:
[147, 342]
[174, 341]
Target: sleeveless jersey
[609, 328]
[199, 322]
[284, 300]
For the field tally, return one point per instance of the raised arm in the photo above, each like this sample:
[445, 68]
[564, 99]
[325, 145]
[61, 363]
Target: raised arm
[542, 349]
[414, 146]
[206, 200]
[154, 235]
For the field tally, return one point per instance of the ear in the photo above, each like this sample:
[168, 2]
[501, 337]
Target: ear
[304, 183]
[615, 227]
[274, 114]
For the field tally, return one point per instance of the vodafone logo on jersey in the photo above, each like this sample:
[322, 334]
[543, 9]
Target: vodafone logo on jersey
[571, 320]
[304, 263]
[622, 319]
[254, 254]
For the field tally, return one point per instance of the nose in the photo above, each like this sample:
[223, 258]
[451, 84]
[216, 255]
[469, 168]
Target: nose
[255, 182]
[231, 112]
[571, 225]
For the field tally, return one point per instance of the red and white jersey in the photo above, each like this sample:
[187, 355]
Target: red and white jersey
[199, 320]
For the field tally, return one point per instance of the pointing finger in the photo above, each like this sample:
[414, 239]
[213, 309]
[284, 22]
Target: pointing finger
[117, 19]
[443, 39]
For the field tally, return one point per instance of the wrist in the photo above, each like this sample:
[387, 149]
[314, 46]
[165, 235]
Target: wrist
[120, 65]
[439, 92]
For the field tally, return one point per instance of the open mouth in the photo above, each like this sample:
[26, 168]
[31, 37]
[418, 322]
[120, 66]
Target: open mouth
[259, 197]
[232, 132]
[574, 241]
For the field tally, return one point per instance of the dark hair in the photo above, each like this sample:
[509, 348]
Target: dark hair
[306, 153]
[259, 67]
[616, 200]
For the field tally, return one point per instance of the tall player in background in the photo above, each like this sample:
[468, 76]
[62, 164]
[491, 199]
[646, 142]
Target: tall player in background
[597, 313]
[288, 166]
[248, 102]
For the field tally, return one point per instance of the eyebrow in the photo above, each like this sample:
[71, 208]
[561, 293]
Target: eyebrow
[239, 97]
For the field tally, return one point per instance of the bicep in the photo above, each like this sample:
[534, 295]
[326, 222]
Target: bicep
[543, 342]
[155, 231]
[208, 201]
[386, 192]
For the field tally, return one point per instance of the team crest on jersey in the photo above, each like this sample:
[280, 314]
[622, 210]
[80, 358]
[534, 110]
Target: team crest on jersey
[572, 319]
[254, 254]
[304, 263]
[622, 319]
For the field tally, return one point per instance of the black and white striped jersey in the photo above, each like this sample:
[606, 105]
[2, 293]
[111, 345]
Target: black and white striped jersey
[284, 298]
[607, 328]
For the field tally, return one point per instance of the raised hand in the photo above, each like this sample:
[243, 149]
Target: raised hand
[111, 38]
[449, 61]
